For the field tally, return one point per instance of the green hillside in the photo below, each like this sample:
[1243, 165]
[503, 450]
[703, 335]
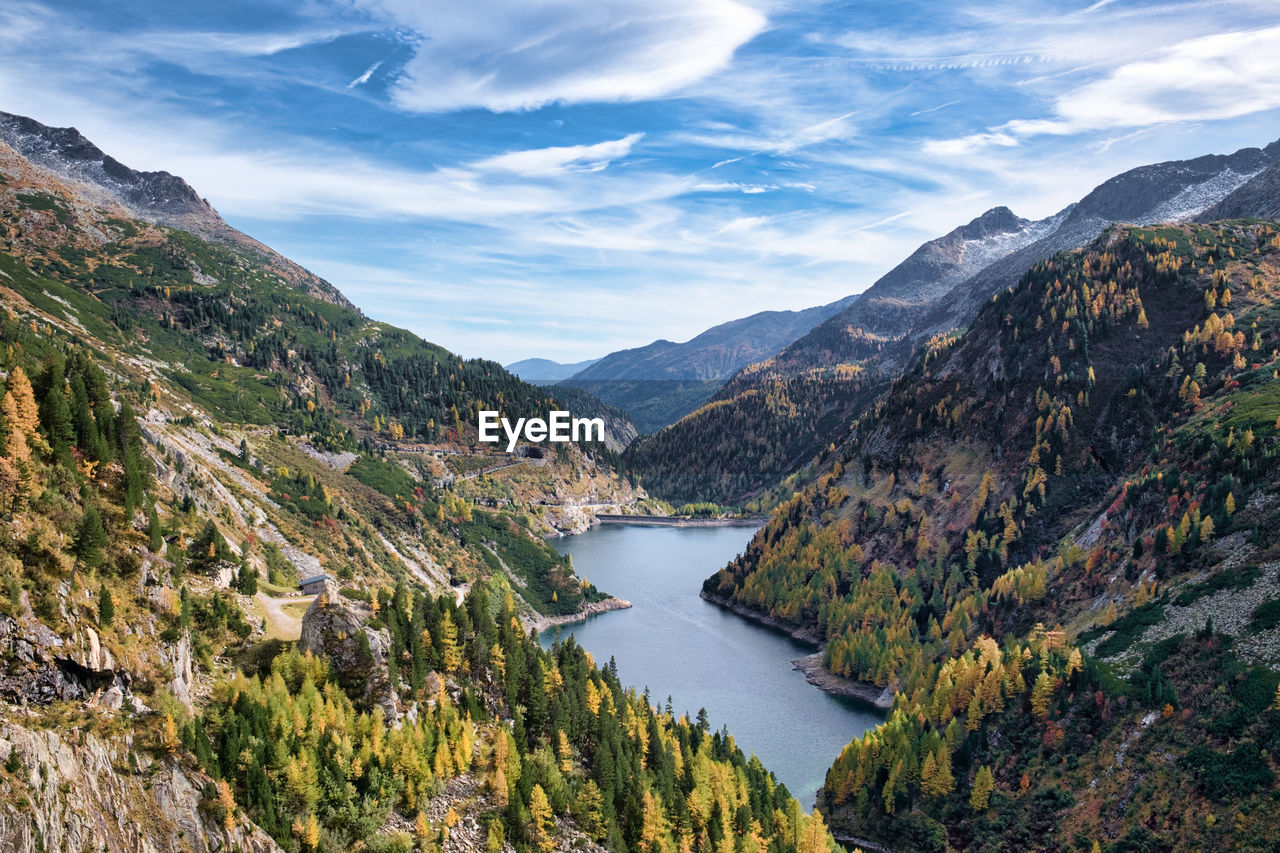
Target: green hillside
[1054, 537]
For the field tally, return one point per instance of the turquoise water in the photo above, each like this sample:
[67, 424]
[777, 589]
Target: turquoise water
[703, 656]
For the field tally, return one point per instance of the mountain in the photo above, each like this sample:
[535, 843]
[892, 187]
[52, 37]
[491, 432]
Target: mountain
[185, 435]
[925, 299]
[1054, 539]
[98, 179]
[619, 431]
[717, 353]
[662, 381]
[1259, 198]
[545, 370]
[897, 302]
[1173, 191]
[772, 417]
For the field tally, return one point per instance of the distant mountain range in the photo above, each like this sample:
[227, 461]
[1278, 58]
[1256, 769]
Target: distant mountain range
[936, 291]
[661, 382]
[546, 370]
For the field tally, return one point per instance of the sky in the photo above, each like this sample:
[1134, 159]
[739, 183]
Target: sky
[558, 178]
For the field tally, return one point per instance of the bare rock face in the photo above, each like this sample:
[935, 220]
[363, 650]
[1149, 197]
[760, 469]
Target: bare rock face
[85, 794]
[39, 667]
[179, 655]
[336, 628]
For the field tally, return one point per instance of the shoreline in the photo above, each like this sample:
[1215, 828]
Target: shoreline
[541, 623]
[680, 521]
[811, 665]
[837, 685]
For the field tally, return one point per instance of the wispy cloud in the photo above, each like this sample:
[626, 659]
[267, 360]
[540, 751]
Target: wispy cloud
[364, 78]
[560, 159]
[522, 55]
[1214, 77]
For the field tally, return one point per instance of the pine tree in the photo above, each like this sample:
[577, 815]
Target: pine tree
[541, 820]
[90, 538]
[136, 476]
[1042, 694]
[928, 773]
[247, 580]
[449, 643]
[588, 811]
[106, 607]
[57, 415]
[813, 835]
[25, 415]
[155, 539]
[983, 784]
[941, 780]
[169, 734]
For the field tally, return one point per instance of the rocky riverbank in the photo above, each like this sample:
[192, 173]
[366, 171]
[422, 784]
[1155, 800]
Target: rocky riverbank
[593, 608]
[811, 665]
[796, 632]
[824, 679]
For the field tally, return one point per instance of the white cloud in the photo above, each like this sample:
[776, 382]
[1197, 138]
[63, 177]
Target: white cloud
[568, 158]
[733, 187]
[1213, 77]
[364, 78]
[968, 144]
[506, 55]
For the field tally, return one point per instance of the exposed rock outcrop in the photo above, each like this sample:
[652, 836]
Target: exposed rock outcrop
[73, 791]
[335, 628]
[41, 667]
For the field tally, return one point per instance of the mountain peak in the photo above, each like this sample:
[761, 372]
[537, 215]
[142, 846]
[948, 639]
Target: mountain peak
[63, 160]
[158, 197]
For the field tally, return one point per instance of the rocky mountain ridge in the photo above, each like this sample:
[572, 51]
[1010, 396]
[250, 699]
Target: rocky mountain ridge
[931, 295]
[160, 198]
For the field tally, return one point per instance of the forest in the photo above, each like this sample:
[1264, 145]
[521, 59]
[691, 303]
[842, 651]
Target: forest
[1128, 393]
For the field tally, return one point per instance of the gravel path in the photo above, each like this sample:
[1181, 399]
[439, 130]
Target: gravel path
[280, 624]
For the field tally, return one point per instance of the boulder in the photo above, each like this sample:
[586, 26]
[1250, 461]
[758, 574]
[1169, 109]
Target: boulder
[336, 628]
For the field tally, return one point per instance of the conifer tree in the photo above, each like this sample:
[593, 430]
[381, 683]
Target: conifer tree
[106, 607]
[90, 538]
[983, 784]
[155, 539]
[541, 820]
[57, 416]
[25, 414]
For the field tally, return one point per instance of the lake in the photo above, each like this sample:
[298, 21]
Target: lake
[704, 656]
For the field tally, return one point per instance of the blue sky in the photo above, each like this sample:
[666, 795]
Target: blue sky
[512, 178]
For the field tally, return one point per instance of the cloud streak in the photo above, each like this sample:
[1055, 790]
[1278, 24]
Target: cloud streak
[521, 56]
[560, 159]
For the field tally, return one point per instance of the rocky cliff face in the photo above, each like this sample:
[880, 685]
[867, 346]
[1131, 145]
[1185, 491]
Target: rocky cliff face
[41, 667]
[153, 196]
[71, 790]
[335, 627]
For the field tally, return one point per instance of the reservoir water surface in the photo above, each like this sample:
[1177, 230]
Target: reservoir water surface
[703, 656]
